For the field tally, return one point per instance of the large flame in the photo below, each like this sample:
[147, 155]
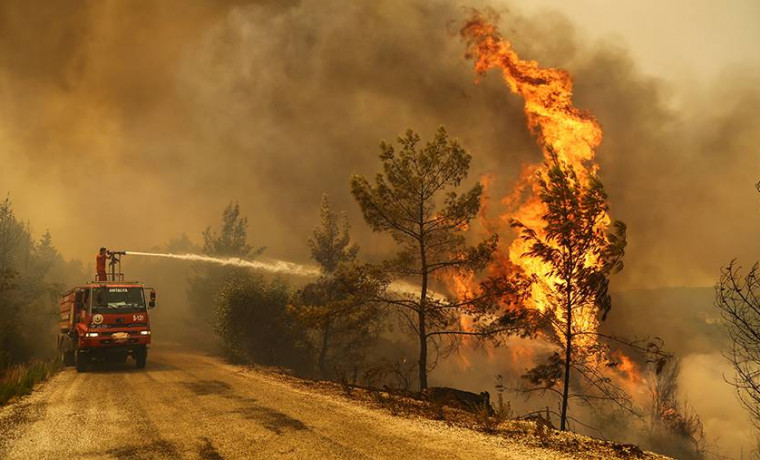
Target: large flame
[572, 135]
[559, 127]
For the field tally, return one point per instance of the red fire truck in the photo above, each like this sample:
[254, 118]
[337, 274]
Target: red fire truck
[105, 320]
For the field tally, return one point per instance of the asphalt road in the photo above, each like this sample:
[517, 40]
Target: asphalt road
[187, 405]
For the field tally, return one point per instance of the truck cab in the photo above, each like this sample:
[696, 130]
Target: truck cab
[105, 320]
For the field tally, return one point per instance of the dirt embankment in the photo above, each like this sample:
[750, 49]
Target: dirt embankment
[186, 405]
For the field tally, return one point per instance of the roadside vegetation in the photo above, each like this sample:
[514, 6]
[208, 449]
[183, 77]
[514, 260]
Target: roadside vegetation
[375, 329]
[253, 322]
[32, 275]
[19, 379]
[339, 311]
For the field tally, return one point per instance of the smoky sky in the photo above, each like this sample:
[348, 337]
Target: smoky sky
[127, 123]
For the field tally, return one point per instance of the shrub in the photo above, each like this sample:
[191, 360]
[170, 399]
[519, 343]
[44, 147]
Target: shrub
[253, 322]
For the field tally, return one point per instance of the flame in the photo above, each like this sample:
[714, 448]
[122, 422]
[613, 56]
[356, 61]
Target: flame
[628, 368]
[559, 127]
[627, 374]
[551, 116]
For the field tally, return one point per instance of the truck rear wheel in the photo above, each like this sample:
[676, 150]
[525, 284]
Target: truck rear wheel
[68, 358]
[81, 361]
[141, 357]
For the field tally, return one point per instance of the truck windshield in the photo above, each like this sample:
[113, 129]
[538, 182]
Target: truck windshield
[113, 299]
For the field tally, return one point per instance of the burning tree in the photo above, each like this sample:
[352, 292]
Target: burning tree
[674, 426]
[339, 307]
[558, 268]
[416, 203]
[577, 255]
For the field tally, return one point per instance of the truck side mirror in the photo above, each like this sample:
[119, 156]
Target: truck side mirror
[152, 298]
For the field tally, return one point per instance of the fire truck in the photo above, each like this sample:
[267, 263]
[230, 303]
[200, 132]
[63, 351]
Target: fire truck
[106, 320]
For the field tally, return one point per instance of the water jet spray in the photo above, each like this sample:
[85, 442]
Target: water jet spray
[275, 266]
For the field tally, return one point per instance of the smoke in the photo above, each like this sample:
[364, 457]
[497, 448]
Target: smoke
[127, 123]
[723, 417]
[127, 136]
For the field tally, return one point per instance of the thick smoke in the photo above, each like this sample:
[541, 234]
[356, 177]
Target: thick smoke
[127, 123]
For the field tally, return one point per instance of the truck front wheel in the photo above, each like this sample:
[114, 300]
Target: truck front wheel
[141, 357]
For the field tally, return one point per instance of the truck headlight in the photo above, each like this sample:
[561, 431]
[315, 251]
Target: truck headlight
[91, 334]
[144, 332]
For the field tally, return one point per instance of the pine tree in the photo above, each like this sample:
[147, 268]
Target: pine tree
[339, 308]
[231, 241]
[581, 255]
[415, 201]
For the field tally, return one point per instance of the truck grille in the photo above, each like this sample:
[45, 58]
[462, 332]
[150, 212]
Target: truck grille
[106, 342]
[101, 326]
[109, 333]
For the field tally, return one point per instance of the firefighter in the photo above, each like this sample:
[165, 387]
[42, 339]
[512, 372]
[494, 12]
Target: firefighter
[100, 264]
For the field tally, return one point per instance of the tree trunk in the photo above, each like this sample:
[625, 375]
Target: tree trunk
[568, 352]
[323, 350]
[423, 308]
[423, 334]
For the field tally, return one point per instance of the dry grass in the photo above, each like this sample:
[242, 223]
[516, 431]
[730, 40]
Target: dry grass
[19, 380]
[532, 433]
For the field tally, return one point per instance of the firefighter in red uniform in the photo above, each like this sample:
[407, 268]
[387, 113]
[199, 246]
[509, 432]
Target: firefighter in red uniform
[100, 264]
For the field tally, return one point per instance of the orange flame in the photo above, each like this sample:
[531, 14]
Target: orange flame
[559, 127]
[628, 375]
[563, 130]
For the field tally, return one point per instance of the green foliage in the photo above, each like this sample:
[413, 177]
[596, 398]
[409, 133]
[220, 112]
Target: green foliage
[341, 313]
[253, 322]
[574, 234]
[330, 242]
[415, 201]
[339, 309]
[231, 241]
